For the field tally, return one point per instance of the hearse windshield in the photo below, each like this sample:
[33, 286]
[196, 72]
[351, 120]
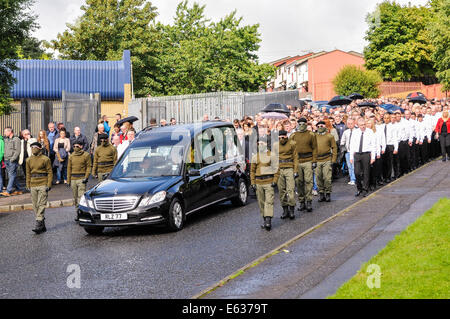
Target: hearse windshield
[156, 159]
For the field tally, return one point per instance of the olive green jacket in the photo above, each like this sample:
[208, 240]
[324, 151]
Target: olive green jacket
[39, 165]
[79, 163]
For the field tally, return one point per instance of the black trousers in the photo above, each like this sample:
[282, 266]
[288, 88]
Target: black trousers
[403, 154]
[435, 147]
[376, 172]
[387, 159]
[412, 155]
[445, 144]
[362, 170]
[424, 151]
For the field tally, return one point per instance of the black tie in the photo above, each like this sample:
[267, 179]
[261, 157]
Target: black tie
[361, 142]
[385, 131]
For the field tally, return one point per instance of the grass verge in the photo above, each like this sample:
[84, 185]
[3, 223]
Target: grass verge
[415, 264]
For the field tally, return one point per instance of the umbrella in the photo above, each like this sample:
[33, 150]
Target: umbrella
[415, 94]
[303, 102]
[367, 104]
[340, 100]
[391, 108]
[130, 119]
[356, 96]
[277, 107]
[274, 115]
[418, 99]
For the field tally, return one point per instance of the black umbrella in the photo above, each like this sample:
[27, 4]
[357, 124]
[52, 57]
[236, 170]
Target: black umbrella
[415, 94]
[340, 100]
[277, 107]
[356, 96]
[418, 99]
[367, 104]
[129, 119]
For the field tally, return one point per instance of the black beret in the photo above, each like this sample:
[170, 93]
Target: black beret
[78, 142]
[321, 122]
[36, 144]
[282, 132]
[103, 136]
[302, 120]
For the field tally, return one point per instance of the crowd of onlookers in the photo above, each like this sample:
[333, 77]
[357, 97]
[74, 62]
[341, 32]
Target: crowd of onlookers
[57, 143]
[416, 134]
[405, 139]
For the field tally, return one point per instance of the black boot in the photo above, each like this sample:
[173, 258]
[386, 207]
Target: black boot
[309, 206]
[268, 223]
[321, 197]
[302, 206]
[40, 227]
[285, 212]
[291, 212]
[328, 197]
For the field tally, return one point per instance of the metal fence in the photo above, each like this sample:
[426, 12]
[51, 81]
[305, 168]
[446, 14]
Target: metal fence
[191, 108]
[73, 110]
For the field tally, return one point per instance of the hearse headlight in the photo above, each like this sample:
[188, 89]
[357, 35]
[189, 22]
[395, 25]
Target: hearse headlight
[85, 202]
[153, 199]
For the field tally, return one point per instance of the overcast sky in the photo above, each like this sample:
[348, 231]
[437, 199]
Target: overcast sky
[287, 27]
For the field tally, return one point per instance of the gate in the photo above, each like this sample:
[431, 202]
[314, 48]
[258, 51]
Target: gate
[191, 108]
[80, 110]
[155, 110]
[74, 110]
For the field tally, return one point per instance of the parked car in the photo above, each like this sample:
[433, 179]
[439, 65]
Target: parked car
[166, 174]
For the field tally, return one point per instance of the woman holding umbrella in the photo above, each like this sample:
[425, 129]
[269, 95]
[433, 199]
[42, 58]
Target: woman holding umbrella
[443, 133]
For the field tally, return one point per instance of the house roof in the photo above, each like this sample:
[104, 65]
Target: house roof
[299, 59]
[46, 79]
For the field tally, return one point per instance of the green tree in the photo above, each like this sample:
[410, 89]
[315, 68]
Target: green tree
[16, 23]
[400, 46]
[440, 38]
[202, 56]
[354, 79]
[33, 48]
[106, 29]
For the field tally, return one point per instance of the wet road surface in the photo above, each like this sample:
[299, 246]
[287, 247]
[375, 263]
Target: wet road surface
[144, 262]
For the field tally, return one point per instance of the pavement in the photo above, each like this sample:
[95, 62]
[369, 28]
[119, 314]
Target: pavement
[60, 195]
[317, 262]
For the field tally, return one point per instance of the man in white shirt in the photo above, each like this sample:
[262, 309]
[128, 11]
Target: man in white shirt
[389, 130]
[412, 147]
[405, 138]
[345, 146]
[125, 143]
[362, 155]
[422, 139]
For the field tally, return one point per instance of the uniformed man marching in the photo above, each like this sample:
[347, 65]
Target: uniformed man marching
[39, 176]
[264, 177]
[78, 171]
[105, 157]
[288, 162]
[326, 156]
[306, 150]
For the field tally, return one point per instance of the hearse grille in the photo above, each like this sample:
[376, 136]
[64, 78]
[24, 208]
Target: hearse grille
[115, 204]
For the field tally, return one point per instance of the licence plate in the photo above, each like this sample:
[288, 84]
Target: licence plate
[114, 216]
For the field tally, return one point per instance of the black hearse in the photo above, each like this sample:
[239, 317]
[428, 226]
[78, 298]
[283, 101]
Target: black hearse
[166, 174]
